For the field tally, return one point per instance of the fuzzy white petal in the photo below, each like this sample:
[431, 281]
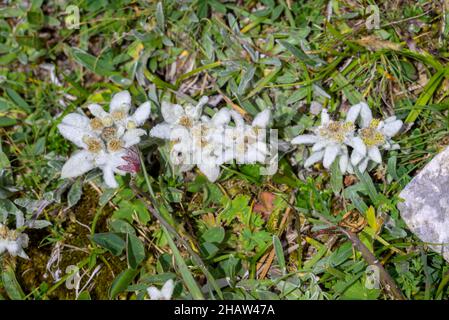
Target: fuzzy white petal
[390, 119]
[76, 120]
[108, 177]
[320, 145]
[356, 158]
[74, 134]
[222, 117]
[115, 160]
[353, 113]
[237, 118]
[305, 139]
[251, 156]
[330, 153]
[374, 154]
[394, 147]
[132, 137]
[142, 113]
[325, 118]
[227, 157]
[154, 293]
[363, 165]
[78, 164]
[167, 289]
[22, 254]
[180, 133]
[161, 131]
[390, 129]
[343, 162]
[358, 145]
[210, 170]
[97, 110]
[365, 115]
[314, 158]
[120, 101]
[171, 112]
[195, 112]
[262, 119]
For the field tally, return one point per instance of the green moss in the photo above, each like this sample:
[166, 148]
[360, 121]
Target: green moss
[32, 273]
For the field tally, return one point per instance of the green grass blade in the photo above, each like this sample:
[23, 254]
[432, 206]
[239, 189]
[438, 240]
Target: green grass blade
[189, 281]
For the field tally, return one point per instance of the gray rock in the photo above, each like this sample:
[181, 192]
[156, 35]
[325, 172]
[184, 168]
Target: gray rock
[426, 206]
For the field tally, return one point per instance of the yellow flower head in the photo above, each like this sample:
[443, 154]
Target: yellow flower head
[336, 130]
[371, 136]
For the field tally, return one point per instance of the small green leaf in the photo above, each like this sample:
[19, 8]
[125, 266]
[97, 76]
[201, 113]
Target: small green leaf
[39, 147]
[36, 17]
[203, 8]
[111, 241]
[122, 226]
[92, 63]
[84, 296]
[122, 282]
[214, 235]
[18, 100]
[208, 250]
[11, 285]
[279, 253]
[371, 218]
[136, 251]
[301, 55]
[336, 178]
[7, 122]
[187, 276]
[7, 58]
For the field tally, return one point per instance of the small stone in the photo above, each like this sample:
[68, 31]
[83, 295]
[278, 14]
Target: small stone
[425, 209]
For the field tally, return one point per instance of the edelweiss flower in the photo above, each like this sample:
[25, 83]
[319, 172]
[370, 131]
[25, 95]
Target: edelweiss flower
[118, 118]
[330, 140]
[209, 142]
[175, 115]
[164, 294]
[104, 139]
[195, 140]
[360, 111]
[13, 242]
[376, 135]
